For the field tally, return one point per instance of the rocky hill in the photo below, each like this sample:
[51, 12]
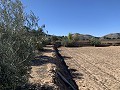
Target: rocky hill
[82, 36]
[87, 36]
[111, 36]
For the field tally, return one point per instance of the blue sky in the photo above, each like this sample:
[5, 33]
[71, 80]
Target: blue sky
[95, 17]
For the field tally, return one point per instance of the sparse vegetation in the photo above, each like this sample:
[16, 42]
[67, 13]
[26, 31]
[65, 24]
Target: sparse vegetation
[70, 38]
[54, 39]
[68, 41]
[95, 42]
[76, 38]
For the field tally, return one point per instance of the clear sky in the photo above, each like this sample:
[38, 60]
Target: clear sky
[95, 17]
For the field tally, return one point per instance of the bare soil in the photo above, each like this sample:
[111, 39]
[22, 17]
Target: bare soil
[49, 72]
[42, 72]
[94, 68]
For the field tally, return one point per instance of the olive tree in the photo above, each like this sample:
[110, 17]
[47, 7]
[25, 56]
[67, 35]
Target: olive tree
[16, 48]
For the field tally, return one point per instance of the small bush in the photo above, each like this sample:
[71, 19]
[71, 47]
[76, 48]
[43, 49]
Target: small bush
[67, 43]
[95, 42]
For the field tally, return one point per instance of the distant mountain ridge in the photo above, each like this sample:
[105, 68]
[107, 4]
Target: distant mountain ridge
[87, 36]
[83, 36]
[111, 36]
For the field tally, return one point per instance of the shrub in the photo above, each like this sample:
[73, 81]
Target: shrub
[15, 56]
[67, 43]
[95, 42]
[54, 39]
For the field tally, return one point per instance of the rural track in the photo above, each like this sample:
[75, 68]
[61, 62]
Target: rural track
[101, 76]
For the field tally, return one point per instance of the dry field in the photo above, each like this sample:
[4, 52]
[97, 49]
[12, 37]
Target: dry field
[94, 68]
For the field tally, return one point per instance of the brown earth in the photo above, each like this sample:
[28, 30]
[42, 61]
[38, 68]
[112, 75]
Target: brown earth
[43, 67]
[94, 68]
[48, 70]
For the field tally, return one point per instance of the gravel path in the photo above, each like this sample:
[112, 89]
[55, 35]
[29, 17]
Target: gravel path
[98, 68]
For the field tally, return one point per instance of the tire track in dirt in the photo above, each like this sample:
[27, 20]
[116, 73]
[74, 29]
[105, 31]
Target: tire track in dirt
[100, 74]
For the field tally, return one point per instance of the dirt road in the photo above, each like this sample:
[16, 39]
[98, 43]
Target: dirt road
[94, 68]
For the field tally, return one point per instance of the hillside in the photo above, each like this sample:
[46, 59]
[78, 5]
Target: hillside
[111, 36]
[87, 36]
[82, 36]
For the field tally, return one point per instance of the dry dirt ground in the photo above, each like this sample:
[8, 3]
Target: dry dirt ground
[94, 68]
[42, 69]
[48, 71]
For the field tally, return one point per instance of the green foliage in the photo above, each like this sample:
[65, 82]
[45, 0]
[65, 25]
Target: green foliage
[38, 38]
[17, 43]
[16, 53]
[70, 37]
[67, 43]
[95, 42]
[46, 41]
[106, 37]
[39, 46]
[54, 39]
[64, 41]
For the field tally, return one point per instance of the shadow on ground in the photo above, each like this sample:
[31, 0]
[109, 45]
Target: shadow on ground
[75, 74]
[40, 60]
[48, 50]
[35, 87]
[66, 57]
